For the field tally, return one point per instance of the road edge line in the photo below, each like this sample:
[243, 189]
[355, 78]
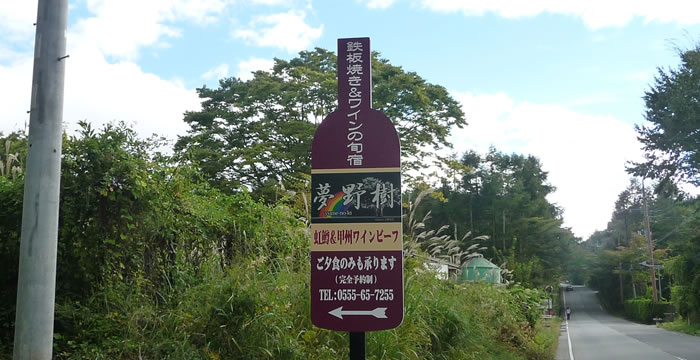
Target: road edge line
[568, 337]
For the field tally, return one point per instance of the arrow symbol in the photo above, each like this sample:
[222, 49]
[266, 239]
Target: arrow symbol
[379, 313]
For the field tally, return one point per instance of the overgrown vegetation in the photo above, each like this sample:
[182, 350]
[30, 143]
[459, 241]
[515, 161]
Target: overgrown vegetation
[617, 259]
[155, 263]
[645, 310]
[503, 197]
[205, 253]
[682, 326]
[250, 311]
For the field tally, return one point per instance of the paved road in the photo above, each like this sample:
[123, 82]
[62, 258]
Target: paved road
[596, 335]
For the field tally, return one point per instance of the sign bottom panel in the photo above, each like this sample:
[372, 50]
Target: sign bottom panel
[357, 290]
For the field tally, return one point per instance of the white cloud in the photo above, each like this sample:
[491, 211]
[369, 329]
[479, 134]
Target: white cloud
[217, 72]
[9, 54]
[248, 67]
[585, 155]
[636, 76]
[121, 28]
[15, 92]
[285, 30]
[601, 98]
[17, 19]
[594, 13]
[271, 2]
[97, 89]
[100, 92]
[379, 4]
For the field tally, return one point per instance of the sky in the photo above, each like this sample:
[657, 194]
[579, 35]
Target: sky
[560, 80]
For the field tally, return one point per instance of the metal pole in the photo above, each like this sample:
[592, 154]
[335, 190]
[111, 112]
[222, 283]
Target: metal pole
[357, 346]
[650, 245]
[36, 285]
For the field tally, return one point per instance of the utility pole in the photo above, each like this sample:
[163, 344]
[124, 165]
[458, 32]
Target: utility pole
[504, 231]
[634, 287]
[650, 245]
[471, 219]
[36, 286]
[619, 274]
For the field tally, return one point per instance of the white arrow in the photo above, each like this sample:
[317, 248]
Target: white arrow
[379, 313]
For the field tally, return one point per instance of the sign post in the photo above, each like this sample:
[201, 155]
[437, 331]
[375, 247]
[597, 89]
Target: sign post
[357, 242]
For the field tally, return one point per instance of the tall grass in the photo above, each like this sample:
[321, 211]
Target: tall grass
[682, 325]
[258, 307]
[252, 312]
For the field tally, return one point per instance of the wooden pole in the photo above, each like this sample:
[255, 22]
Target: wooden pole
[650, 245]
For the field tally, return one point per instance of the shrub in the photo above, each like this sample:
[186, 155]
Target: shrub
[645, 310]
[255, 311]
[11, 214]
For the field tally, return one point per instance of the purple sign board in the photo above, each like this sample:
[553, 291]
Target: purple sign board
[357, 241]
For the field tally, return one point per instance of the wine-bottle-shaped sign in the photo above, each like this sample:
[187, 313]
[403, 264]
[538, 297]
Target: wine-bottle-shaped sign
[357, 240]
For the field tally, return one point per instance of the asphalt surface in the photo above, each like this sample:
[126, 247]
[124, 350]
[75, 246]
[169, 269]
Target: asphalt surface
[594, 334]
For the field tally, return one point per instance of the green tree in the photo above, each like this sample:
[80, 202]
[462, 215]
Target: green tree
[505, 197]
[12, 153]
[259, 132]
[127, 212]
[671, 140]
[683, 239]
[622, 246]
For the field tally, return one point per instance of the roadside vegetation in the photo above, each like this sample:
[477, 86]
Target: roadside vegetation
[201, 250]
[616, 261]
[682, 326]
[156, 263]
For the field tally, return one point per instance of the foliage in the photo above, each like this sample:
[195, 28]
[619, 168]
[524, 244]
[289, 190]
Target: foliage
[254, 312]
[580, 264]
[505, 197]
[155, 263]
[682, 326]
[671, 140]
[685, 265]
[11, 193]
[437, 243]
[10, 159]
[645, 310]
[127, 212]
[618, 251]
[259, 132]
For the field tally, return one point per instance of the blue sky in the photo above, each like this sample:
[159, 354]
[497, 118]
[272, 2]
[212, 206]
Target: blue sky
[560, 80]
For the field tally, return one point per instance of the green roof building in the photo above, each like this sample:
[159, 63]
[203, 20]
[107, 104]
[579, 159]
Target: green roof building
[480, 269]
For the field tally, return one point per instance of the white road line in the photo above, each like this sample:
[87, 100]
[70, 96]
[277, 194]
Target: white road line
[568, 337]
[679, 358]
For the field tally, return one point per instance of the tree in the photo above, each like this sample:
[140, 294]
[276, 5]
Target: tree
[672, 139]
[251, 132]
[505, 197]
[13, 153]
[136, 231]
[622, 247]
